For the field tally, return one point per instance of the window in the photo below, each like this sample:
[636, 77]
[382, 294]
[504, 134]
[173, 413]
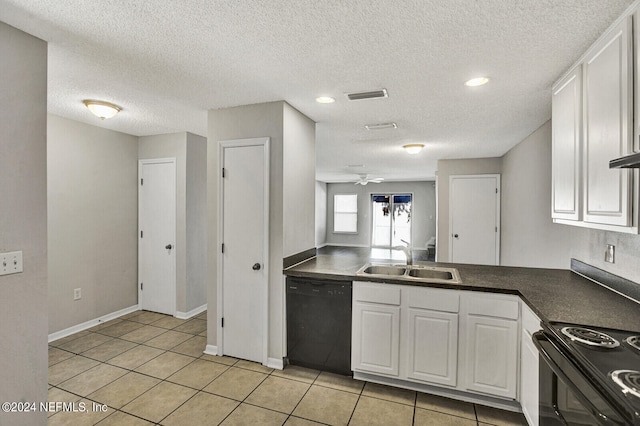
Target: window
[391, 219]
[345, 213]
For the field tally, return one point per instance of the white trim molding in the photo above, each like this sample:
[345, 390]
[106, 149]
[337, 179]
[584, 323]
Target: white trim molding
[276, 363]
[211, 350]
[192, 313]
[91, 323]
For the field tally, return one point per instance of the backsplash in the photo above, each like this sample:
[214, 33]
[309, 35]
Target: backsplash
[607, 279]
[590, 245]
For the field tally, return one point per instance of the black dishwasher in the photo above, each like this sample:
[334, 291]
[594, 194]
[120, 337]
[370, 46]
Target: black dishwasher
[319, 324]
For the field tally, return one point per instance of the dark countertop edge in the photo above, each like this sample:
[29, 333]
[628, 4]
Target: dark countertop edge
[477, 287]
[349, 277]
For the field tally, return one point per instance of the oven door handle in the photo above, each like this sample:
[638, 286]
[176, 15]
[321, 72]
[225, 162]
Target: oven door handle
[539, 336]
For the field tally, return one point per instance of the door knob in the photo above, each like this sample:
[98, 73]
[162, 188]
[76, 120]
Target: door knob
[256, 267]
[168, 246]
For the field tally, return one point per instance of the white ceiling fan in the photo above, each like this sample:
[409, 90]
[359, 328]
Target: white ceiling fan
[365, 179]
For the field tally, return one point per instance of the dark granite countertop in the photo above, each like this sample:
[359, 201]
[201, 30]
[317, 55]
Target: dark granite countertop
[555, 295]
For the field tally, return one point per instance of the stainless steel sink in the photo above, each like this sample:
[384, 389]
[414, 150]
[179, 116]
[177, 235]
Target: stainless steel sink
[384, 270]
[428, 273]
[416, 273]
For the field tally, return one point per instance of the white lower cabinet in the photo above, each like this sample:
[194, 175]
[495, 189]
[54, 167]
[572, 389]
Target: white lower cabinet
[492, 355]
[491, 341]
[461, 340]
[433, 346]
[430, 334]
[376, 329]
[529, 367]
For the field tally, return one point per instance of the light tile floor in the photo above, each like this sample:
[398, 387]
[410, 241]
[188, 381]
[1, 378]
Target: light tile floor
[148, 368]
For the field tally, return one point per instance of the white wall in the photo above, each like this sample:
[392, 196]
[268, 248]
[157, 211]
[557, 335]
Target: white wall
[530, 238]
[292, 141]
[190, 153]
[23, 221]
[251, 121]
[423, 212]
[196, 217]
[299, 177]
[93, 205]
[321, 214]
[447, 168]
[168, 146]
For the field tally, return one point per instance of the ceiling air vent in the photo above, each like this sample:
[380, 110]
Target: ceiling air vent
[374, 94]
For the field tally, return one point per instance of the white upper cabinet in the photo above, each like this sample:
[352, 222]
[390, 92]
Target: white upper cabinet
[593, 123]
[566, 140]
[608, 80]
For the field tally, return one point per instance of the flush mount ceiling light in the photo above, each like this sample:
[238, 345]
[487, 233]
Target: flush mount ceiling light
[413, 148]
[478, 81]
[325, 100]
[102, 109]
[381, 126]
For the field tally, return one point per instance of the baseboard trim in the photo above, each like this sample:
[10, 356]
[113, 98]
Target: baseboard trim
[276, 363]
[211, 350]
[192, 313]
[495, 402]
[91, 323]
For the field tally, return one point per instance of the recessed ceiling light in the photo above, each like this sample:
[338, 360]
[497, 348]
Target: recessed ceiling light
[478, 81]
[413, 148]
[325, 100]
[102, 109]
[381, 126]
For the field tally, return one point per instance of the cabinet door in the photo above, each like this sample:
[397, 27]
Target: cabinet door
[529, 386]
[376, 338]
[566, 140]
[492, 356]
[432, 346]
[608, 81]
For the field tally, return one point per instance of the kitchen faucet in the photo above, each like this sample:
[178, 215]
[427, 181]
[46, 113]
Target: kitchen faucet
[407, 251]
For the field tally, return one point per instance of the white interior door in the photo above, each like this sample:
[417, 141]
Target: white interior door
[157, 235]
[245, 222]
[474, 219]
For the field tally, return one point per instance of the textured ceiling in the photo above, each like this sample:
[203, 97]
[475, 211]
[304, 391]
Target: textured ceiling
[167, 62]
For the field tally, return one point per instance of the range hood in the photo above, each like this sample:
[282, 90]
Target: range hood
[631, 161]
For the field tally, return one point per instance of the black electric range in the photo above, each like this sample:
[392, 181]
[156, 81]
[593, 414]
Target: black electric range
[588, 376]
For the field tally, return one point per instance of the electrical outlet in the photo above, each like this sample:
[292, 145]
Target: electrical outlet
[11, 263]
[77, 294]
[610, 254]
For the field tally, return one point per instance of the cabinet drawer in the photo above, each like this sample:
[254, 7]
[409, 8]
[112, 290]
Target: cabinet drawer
[493, 307]
[387, 294]
[433, 299]
[530, 322]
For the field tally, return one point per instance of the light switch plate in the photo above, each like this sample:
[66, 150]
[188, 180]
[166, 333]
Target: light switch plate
[610, 254]
[11, 263]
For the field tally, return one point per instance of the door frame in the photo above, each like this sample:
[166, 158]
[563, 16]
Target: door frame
[236, 143]
[498, 230]
[141, 163]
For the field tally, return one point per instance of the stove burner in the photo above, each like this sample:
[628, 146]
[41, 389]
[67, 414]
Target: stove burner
[590, 337]
[634, 342]
[628, 380]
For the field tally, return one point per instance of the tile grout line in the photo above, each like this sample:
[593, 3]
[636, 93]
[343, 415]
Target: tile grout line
[127, 372]
[305, 394]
